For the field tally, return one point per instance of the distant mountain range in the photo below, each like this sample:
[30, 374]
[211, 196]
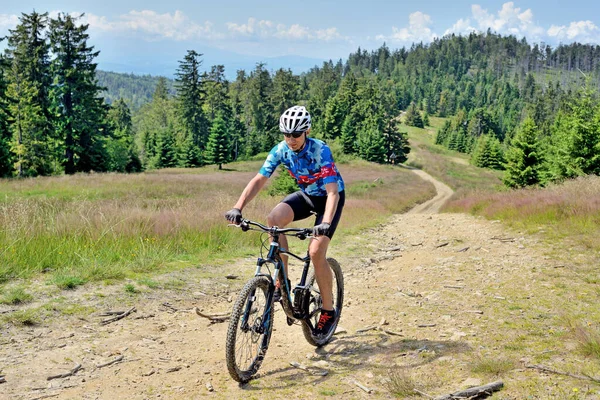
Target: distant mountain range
[163, 61]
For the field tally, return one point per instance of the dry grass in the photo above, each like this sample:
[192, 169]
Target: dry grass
[568, 210]
[108, 227]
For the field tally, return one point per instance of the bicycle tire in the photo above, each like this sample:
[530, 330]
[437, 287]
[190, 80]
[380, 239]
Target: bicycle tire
[338, 302]
[246, 347]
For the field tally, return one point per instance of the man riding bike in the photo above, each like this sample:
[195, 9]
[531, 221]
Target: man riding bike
[310, 162]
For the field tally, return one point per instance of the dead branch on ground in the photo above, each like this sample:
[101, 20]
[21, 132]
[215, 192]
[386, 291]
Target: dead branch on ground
[474, 392]
[66, 374]
[106, 364]
[553, 371]
[117, 317]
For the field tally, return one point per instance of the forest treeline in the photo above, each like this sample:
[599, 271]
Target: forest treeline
[532, 110]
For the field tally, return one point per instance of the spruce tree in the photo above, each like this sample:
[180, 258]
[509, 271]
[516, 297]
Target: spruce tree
[371, 144]
[413, 117]
[5, 134]
[524, 157]
[81, 114]
[33, 140]
[396, 142]
[190, 98]
[122, 151]
[218, 148]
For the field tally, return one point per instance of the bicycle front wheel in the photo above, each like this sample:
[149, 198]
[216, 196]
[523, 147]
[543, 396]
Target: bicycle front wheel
[316, 303]
[249, 330]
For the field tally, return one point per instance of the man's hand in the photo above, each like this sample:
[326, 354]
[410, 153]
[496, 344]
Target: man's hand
[322, 229]
[234, 216]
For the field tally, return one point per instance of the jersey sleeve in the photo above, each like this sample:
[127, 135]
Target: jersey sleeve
[328, 170]
[271, 163]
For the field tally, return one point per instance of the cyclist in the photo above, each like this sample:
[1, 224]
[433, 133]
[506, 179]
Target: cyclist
[310, 162]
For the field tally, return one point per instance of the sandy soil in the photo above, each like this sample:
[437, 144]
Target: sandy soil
[442, 282]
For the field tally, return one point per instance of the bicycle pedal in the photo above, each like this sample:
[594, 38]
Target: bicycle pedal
[290, 321]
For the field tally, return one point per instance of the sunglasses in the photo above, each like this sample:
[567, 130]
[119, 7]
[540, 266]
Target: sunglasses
[295, 135]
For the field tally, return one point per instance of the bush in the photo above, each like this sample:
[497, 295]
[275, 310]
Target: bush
[283, 184]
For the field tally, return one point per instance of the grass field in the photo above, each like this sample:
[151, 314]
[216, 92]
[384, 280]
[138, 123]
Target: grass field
[69, 230]
[448, 166]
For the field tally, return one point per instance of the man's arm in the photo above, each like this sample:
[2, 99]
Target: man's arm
[332, 201]
[251, 190]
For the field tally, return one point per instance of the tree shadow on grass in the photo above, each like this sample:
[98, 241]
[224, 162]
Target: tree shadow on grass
[375, 351]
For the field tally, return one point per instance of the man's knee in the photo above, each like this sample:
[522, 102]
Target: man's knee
[280, 216]
[317, 251]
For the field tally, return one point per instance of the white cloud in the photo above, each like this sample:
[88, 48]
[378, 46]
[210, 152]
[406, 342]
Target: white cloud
[8, 21]
[175, 26]
[509, 20]
[462, 27]
[581, 31]
[265, 29]
[418, 30]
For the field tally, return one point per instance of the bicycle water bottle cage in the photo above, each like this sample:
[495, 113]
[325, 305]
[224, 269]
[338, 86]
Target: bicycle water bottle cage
[301, 302]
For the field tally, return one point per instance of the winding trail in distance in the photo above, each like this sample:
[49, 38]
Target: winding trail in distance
[444, 192]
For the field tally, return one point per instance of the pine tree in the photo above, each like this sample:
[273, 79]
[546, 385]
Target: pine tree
[81, 114]
[413, 117]
[191, 96]
[5, 134]
[348, 135]
[371, 144]
[524, 157]
[33, 141]
[576, 138]
[396, 142]
[218, 148]
[122, 151]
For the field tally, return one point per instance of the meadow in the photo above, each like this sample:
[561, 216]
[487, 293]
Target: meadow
[69, 230]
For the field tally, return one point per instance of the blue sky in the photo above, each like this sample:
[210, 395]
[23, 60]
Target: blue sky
[150, 36]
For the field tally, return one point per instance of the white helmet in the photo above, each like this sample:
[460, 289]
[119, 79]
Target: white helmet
[294, 119]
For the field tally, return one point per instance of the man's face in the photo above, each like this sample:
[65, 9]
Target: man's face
[296, 144]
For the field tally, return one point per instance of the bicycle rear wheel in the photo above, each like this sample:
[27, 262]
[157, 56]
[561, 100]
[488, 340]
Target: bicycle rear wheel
[249, 330]
[316, 304]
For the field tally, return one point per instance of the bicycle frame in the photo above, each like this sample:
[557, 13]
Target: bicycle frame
[273, 257]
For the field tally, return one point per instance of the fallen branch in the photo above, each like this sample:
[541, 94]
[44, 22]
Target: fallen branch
[119, 316]
[473, 392]
[396, 248]
[66, 374]
[170, 307]
[368, 328]
[442, 244]
[553, 371]
[379, 328]
[116, 360]
[213, 318]
[145, 316]
[508, 239]
[426, 325]
[313, 371]
[454, 287]
[463, 249]
[363, 387]
[46, 396]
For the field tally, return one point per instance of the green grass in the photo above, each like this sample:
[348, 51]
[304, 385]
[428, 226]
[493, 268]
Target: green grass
[111, 227]
[16, 295]
[28, 317]
[492, 366]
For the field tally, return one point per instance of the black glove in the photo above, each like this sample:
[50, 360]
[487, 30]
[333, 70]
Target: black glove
[322, 229]
[234, 216]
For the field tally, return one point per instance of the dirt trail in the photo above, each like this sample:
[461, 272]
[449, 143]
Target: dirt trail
[444, 282]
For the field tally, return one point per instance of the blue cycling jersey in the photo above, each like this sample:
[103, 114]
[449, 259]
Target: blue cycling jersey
[312, 167]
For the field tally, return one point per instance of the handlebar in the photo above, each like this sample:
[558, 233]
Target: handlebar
[300, 233]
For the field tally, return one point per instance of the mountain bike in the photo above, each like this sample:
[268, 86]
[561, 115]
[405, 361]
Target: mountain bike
[251, 321]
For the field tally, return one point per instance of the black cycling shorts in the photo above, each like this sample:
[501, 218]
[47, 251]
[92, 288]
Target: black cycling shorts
[304, 205]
